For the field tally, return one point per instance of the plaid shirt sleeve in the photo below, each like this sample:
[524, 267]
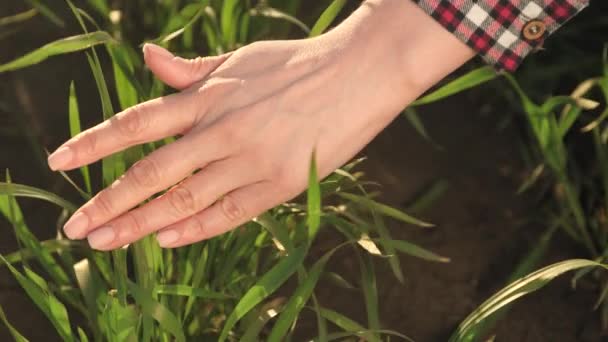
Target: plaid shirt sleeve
[502, 32]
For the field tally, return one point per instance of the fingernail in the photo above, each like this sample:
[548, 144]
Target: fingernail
[101, 237]
[157, 50]
[167, 237]
[77, 225]
[60, 158]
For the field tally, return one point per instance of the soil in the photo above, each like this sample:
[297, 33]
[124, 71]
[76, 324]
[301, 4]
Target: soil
[481, 224]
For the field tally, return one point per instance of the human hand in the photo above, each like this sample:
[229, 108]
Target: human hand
[250, 121]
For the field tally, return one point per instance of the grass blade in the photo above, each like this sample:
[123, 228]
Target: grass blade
[313, 200]
[19, 17]
[58, 47]
[470, 80]
[515, 290]
[414, 250]
[267, 284]
[299, 298]
[11, 329]
[46, 302]
[150, 307]
[189, 291]
[19, 190]
[47, 12]
[384, 209]
[347, 324]
[327, 18]
[269, 12]
[75, 129]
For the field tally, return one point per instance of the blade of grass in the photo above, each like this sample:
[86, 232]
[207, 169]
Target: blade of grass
[384, 209]
[47, 12]
[313, 219]
[189, 291]
[264, 287]
[50, 306]
[370, 292]
[515, 290]
[150, 307]
[299, 298]
[19, 190]
[467, 81]
[414, 250]
[19, 17]
[327, 17]
[347, 324]
[75, 129]
[11, 329]
[58, 47]
[263, 10]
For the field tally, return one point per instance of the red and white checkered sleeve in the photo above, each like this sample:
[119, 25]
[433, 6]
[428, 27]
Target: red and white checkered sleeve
[503, 32]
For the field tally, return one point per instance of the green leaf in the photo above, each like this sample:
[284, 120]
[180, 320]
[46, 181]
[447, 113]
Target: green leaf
[279, 232]
[150, 307]
[19, 17]
[370, 291]
[11, 329]
[514, 291]
[19, 190]
[189, 291]
[229, 18]
[313, 200]
[75, 128]
[51, 246]
[169, 37]
[347, 324]
[47, 12]
[470, 80]
[59, 47]
[263, 10]
[412, 116]
[299, 298]
[414, 250]
[264, 287]
[101, 6]
[327, 17]
[46, 302]
[384, 209]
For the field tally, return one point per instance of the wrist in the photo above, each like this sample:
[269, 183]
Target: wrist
[398, 35]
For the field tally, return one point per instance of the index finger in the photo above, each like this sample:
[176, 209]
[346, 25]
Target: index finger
[145, 122]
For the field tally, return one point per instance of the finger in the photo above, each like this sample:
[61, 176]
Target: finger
[160, 170]
[178, 72]
[232, 210]
[148, 121]
[187, 198]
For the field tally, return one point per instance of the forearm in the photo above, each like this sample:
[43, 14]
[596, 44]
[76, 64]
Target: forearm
[397, 34]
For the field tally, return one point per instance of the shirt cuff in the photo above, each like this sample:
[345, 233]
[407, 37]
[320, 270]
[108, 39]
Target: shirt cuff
[502, 32]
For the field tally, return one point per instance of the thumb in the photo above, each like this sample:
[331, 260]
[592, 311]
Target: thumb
[177, 72]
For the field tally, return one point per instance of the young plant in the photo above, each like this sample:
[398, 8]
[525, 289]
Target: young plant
[223, 289]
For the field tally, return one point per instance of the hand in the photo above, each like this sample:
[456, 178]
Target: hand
[250, 121]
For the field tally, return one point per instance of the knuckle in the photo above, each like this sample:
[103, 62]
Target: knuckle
[145, 173]
[134, 224]
[197, 66]
[133, 122]
[182, 201]
[103, 203]
[285, 181]
[195, 228]
[88, 141]
[232, 210]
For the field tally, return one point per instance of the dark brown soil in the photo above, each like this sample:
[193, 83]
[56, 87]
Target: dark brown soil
[482, 225]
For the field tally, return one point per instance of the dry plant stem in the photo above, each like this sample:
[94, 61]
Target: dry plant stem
[268, 105]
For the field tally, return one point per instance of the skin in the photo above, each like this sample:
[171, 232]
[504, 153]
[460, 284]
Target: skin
[250, 121]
